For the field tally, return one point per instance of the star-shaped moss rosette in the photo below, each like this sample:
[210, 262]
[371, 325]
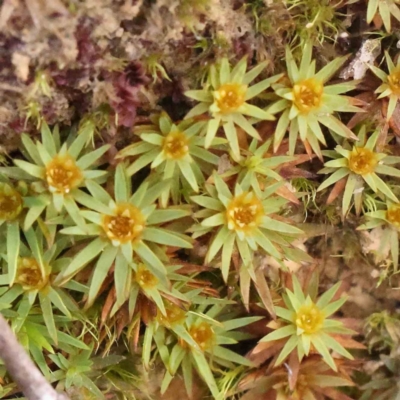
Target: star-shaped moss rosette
[225, 98]
[76, 371]
[175, 151]
[307, 102]
[243, 223]
[306, 325]
[390, 86]
[209, 330]
[359, 164]
[121, 227]
[158, 328]
[56, 172]
[257, 165]
[142, 282]
[386, 9]
[33, 278]
[389, 218]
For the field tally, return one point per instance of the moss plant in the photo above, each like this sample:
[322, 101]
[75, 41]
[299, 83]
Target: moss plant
[243, 221]
[176, 151]
[244, 224]
[307, 102]
[56, 173]
[75, 370]
[258, 164]
[306, 325]
[316, 20]
[33, 281]
[225, 98]
[389, 218]
[142, 282]
[121, 227]
[360, 164]
[209, 330]
[390, 86]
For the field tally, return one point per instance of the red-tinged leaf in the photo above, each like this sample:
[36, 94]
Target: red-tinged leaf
[377, 21]
[291, 172]
[293, 363]
[348, 343]
[248, 380]
[382, 138]
[346, 367]
[110, 300]
[122, 320]
[372, 108]
[337, 189]
[147, 309]
[264, 351]
[208, 291]
[358, 102]
[236, 260]
[135, 334]
[242, 138]
[264, 292]
[284, 192]
[283, 148]
[300, 159]
[309, 150]
[258, 328]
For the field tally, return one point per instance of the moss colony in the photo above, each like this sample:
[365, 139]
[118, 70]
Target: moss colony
[200, 198]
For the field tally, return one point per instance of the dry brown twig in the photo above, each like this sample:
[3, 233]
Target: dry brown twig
[22, 369]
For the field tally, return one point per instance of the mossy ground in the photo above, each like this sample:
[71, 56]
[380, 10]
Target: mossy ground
[113, 63]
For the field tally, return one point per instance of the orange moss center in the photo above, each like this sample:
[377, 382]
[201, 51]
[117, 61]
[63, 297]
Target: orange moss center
[62, 174]
[309, 318]
[29, 275]
[203, 335]
[362, 161]
[307, 95]
[393, 215]
[145, 278]
[126, 225]
[230, 97]
[176, 145]
[10, 202]
[394, 81]
[244, 212]
[174, 315]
